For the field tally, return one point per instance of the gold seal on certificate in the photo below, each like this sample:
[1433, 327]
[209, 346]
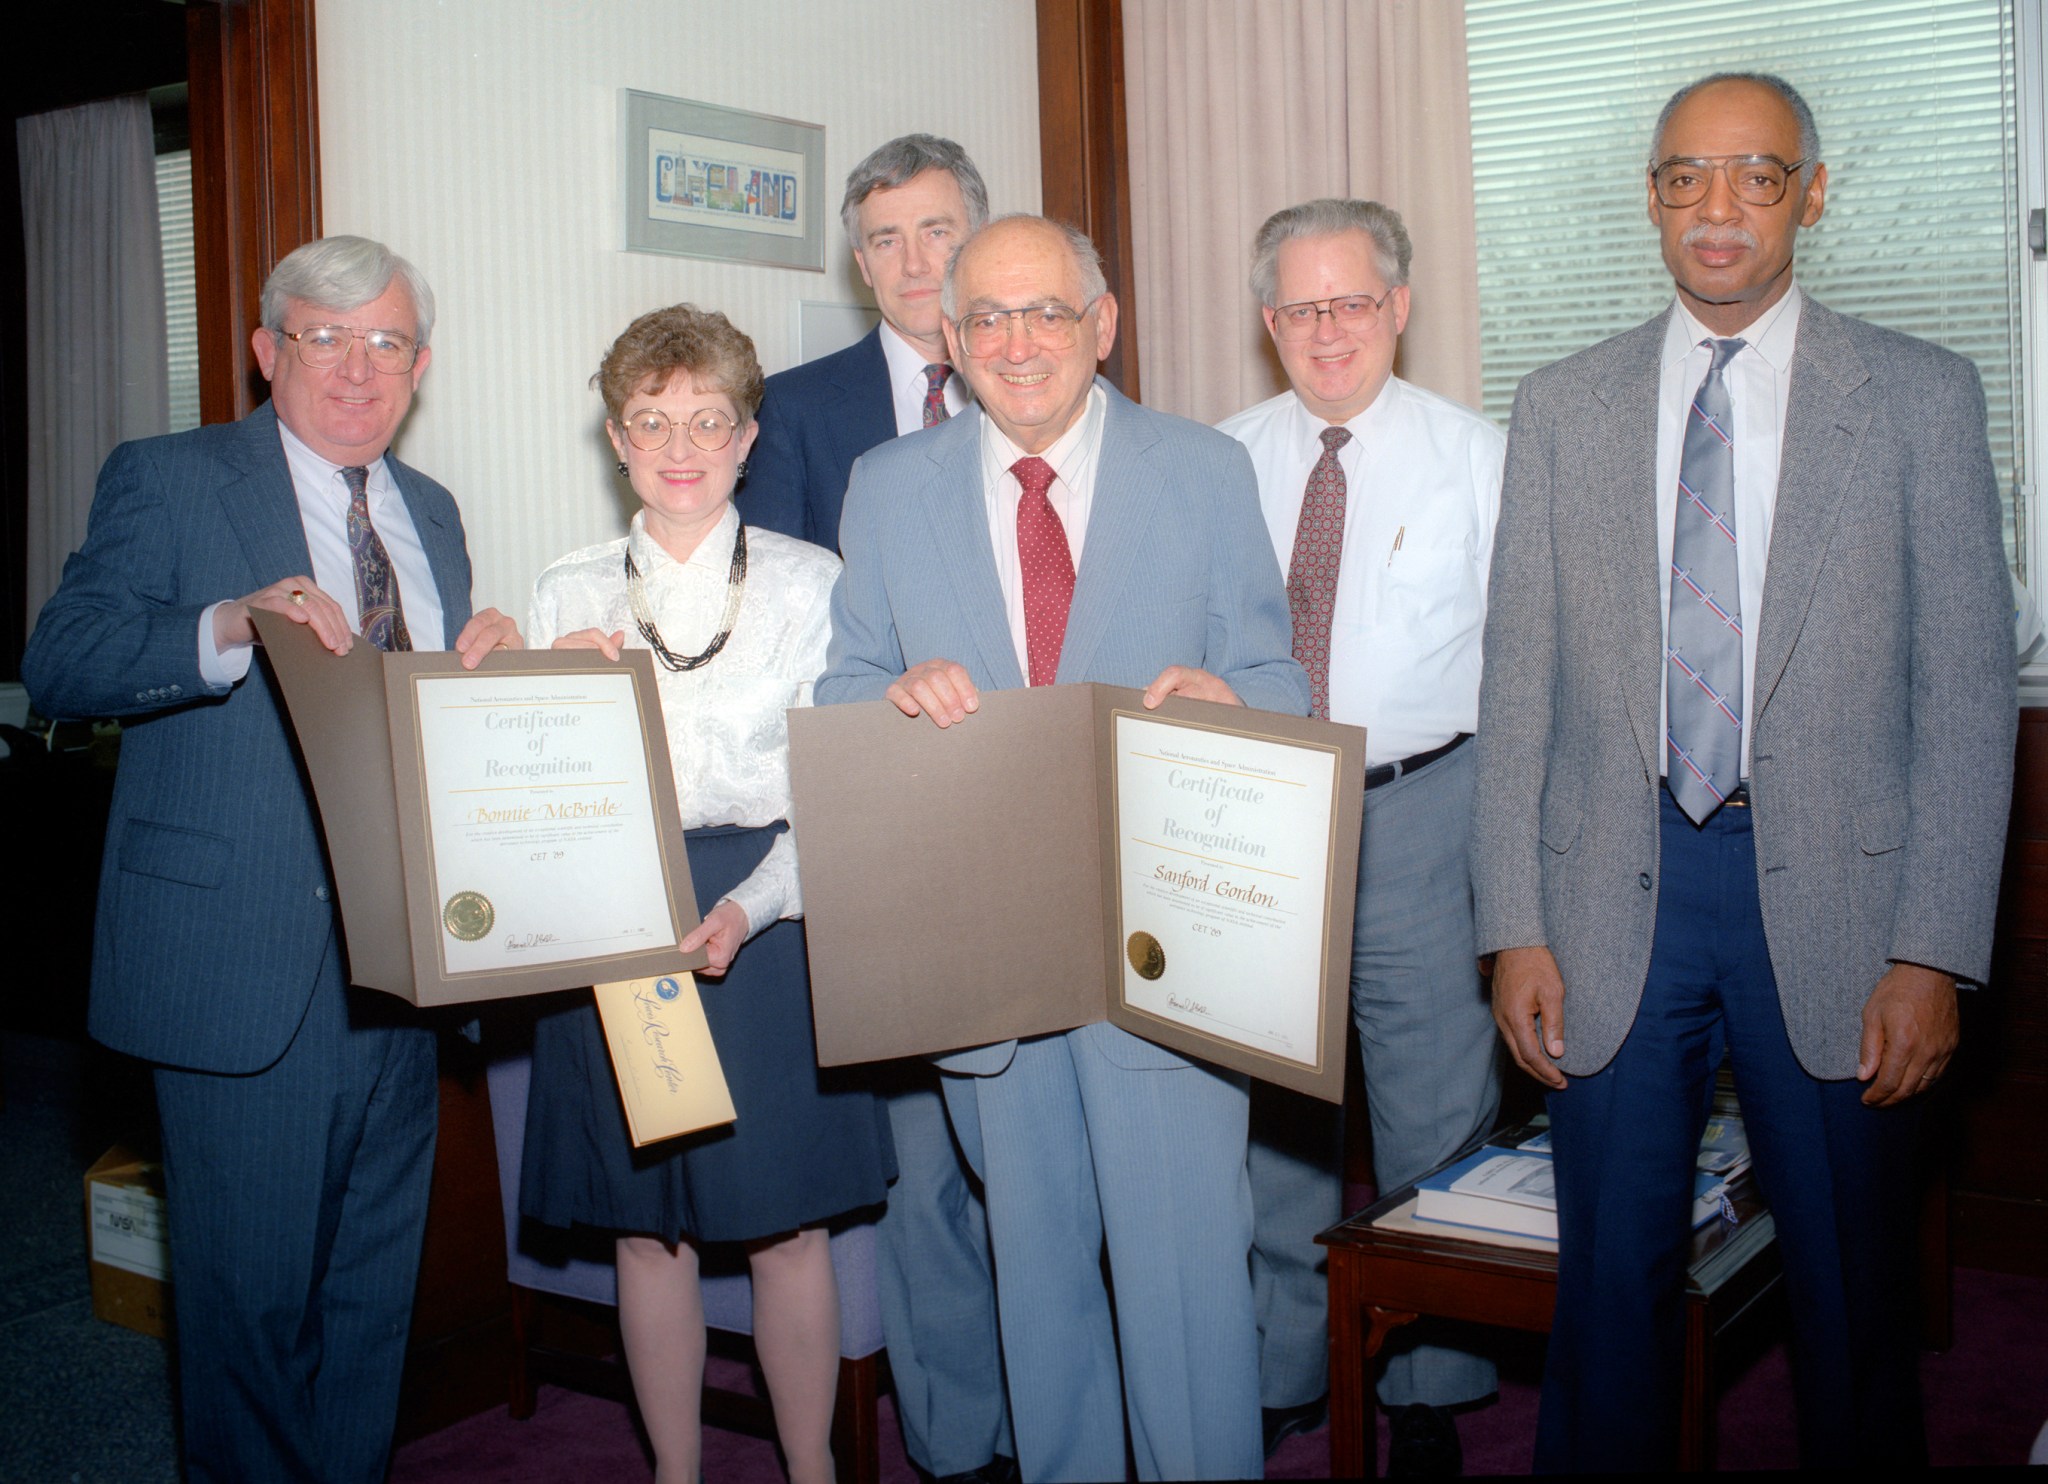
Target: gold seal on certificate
[1146, 956]
[468, 915]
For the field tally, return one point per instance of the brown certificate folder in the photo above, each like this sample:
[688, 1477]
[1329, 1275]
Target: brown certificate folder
[961, 886]
[358, 730]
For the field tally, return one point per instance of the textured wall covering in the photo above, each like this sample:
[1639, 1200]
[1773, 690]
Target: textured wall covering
[480, 139]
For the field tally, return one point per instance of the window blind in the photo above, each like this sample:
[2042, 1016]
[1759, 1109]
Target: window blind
[181, 308]
[1916, 105]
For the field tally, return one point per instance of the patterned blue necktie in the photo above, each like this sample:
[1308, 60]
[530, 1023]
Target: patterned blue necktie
[1703, 652]
[383, 620]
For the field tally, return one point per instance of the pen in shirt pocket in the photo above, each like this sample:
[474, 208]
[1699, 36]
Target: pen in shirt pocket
[1398, 536]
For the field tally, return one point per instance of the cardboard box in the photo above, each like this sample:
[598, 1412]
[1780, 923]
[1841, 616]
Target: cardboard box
[128, 1241]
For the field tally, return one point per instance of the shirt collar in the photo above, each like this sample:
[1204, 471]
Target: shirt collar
[1307, 429]
[1069, 453]
[713, 553]
[323, 474]
[1771, 334]
[906, 362]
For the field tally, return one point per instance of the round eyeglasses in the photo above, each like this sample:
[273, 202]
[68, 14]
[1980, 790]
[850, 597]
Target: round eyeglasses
[323, 347]
[1757, 180]
[1047, 326]
[650, 429]
[1358, 312]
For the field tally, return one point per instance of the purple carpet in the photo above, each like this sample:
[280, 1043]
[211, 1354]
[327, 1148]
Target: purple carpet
[1986, 1400]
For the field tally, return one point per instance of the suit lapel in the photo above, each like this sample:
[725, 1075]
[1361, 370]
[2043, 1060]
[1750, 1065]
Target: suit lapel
[1127, 491]
[1824, 426]
[868, 405]
[262, 506]
[957, 514]
[1623, 525]
[443, 544]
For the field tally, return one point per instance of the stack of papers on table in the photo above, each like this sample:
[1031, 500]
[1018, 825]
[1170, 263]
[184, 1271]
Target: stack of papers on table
[1515, 1190]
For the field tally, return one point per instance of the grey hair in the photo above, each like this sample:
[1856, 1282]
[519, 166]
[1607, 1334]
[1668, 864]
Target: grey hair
[1809, 131]
[902, 160]
[1087, 259]
[1326, 218]
[344, 273]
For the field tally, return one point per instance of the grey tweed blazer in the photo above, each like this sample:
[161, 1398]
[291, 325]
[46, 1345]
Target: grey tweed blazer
[1885, 700]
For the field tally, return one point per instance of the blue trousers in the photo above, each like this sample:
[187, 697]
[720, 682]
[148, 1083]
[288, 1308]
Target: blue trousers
[938, 1293]
[1431, 1060]
[298, 1199]
[1836, 1174]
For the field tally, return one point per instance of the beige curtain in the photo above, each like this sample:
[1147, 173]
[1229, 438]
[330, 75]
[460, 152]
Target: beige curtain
[1240, 107]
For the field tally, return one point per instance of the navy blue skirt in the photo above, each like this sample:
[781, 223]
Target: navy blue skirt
[807, 1145]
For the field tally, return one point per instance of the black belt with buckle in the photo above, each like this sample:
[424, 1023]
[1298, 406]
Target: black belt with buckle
[1738, 797]
[1388, 772]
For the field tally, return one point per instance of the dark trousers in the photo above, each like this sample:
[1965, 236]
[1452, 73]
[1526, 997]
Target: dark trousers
[1836, 1175]
[298, 1198]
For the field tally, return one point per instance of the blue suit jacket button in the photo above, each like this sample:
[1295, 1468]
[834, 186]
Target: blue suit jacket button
[1644, 881]
[321, 892]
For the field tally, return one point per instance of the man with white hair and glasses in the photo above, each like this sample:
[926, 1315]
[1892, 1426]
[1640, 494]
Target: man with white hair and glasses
[298, 1113]
[1380, 500]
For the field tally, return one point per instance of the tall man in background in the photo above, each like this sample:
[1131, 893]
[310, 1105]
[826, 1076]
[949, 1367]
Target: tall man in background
[1380, 499]
[1029, 542]
[298, 1113]
[907, 206]
[1745, 756]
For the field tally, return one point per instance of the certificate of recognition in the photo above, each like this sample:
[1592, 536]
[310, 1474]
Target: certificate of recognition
[502, 831]
[1223, 868]
[1187, 874]
[541, 818]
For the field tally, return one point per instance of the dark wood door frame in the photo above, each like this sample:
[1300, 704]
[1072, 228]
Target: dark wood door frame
[255, 175]
[1083, 150]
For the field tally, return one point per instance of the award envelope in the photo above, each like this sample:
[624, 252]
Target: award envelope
[973, 884]
[447, 861]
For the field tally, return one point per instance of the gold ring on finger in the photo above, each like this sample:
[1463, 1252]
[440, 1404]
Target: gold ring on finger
[299, 597]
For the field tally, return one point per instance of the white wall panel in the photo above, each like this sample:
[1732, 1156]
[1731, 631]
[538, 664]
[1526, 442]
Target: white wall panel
[480, 139]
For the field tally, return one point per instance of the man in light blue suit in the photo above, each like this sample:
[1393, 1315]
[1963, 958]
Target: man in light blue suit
[298, 1113]
[907, 205]
[1060, 533]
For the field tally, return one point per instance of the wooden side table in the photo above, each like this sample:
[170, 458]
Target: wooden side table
[1384, 1277]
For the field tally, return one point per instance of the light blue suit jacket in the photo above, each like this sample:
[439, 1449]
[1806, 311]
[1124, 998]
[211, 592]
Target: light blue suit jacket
[1176, 569]
[215, 906]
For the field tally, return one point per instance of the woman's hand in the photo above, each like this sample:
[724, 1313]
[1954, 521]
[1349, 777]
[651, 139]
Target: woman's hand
[608, 645]
[719, 934]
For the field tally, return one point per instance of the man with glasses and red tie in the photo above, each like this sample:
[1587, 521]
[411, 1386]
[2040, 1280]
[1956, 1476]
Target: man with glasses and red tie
[1745, 758]
[1380, 499]
[1057, 533]
[298, 1114]
[908, 204]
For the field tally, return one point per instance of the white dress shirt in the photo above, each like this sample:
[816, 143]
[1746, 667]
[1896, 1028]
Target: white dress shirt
[728, 731]
[1759, 381]
[907, 382]
[1074, 459]
[323, 511]
[1422, 496]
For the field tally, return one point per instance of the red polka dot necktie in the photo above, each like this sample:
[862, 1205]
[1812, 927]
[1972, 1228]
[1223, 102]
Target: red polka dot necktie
[383, 621]
[935, 393]
[1048, 568]
[1312, 572]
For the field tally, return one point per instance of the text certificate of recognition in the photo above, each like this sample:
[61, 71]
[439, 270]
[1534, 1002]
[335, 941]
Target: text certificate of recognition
[1224, 854]
[541, 818]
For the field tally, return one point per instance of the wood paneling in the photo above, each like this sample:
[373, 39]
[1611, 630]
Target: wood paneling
[255, 176]
[1996, 1123]
[1084, 159]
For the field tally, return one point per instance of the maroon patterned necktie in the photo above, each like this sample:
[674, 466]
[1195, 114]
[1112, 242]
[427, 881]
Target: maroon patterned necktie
[383, 621]
[1312, 572]
[1048, 569]
[935, 393]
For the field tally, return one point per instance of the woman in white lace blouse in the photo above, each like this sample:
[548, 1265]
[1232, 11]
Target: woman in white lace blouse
[737, 621]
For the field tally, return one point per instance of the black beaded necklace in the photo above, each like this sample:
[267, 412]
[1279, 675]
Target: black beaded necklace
[643, 616]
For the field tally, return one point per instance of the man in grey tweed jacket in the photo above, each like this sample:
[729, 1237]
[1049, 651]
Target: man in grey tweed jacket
[1810, 916]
